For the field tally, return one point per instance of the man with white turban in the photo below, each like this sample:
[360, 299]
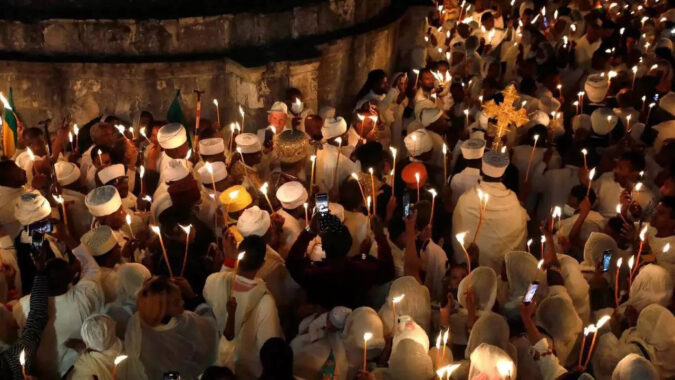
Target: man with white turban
[173, 140]
[79, 218]
[623, 178]
[98, 334]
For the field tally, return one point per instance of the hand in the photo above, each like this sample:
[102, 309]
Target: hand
[229, 244]
[184, 286]
[425, 234]
[585, 206]
[527, 310]
[277, 221]
[410, 223]
[231, 306]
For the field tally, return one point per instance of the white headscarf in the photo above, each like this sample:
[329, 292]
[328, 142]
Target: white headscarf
[490, 328]
[652, 285]
[409, 360]
[635, 367]
[359, 322]
[408, 329]
[655, 332]
[490, 362]
[483, 286]
[595, 246]
[130, 279]
[576, 285]
[98, 332]
[521, 270]
[556, 314]
[416, 303]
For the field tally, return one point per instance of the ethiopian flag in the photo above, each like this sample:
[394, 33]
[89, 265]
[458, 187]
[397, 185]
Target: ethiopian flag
[175, 115]
[9, 126]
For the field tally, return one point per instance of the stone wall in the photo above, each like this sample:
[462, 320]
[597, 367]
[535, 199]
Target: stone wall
[330, 77]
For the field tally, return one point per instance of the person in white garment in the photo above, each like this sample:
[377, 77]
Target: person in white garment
[277, 117]
[105, 205]
[328, 175]
[245, 311]
[130, 279]
[102, 347]
[12, 185]
[172, 139]
[68, 176]
[612, 187]
[293, 197]
[472, 152]
[504, 227]
[211, 150]
[661, 234]
[102, 135]
[115, 175]
[106, 253]
[212, 176]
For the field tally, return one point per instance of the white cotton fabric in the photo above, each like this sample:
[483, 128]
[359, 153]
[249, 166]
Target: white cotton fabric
[66, 172]
[253, 221]
[635, 367]
[211, 146]
[108, 173]
[416, 303]
[103, 201]
[359, 322]
[490, 328]
[652, 285]
[655, 330]
[172, 136]
[248, 143]
[576, 285]
[31, 208]
[406, 328]
[556, 314]
[98, 332]
[486, 361]
[409, 360]
[96, 363]
[483, 286]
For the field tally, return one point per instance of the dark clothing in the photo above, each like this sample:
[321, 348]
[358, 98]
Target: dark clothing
[339, 282]
[10, 368]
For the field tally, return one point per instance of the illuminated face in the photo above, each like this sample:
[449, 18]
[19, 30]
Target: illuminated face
[278, 120]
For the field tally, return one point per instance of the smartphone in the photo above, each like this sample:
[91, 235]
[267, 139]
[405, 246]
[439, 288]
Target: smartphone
[321, 201]
[171, 375]
[606, 260]
[41, 227]
[406, 205]
[531, 291]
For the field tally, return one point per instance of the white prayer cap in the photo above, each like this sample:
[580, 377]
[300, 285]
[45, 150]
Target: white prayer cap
[664, 43]
[98, 332]
[30, 208]
[489, 362]
[66, 172]
[292, 195]
[538, 117]
[596, 87]
[549, 104]
[130, 279]
[253, 221]
[603, 121]
[278, 107]
[333, 127]
[108, 173]
[581, 121]
[214, 145]
[595, 246]
[418, 142]
[494, 164]
[175, 170]
[219, 173]
[652, 285]
[248, 142]
[557, 315]
[103, 201]
[338, 315]
[473, 149]
[327, 112]
[337, 210]
[667, 103]
[99, 240]
[430, 115]
[172, 136]
[635, 367]
[483, 287]
[160, 204]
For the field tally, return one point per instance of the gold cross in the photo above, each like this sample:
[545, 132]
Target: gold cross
[505, 114]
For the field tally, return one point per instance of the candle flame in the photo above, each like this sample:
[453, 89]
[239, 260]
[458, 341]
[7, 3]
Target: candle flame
[631, 262]
[305, 205]
[540, 264]
[460, 237]
[57, 198]
[584, 151]
[339, 140]
[355, 176]
[666, 248]
[536, 138]
[438, 340]
[591, 174]
[70, 137]
[241, 255]
[147, 198]
[417, 178]
[128, 218]
[185, 229]
[445, 149]
[466, 112]
[22, 357]
[370, 170]
[120, 128]
[263, 188]
[643, 232]
[503, 150]
[189, 154]
[374, 118]
[398, 299]
[215, 102]
[155, 229]
[274, 130]
[241, 110]
[32, 156]
[543, 238]
[529, 242]
[368, 201]
[505, 367]
[634, 69]
[119, 359]
[298, 102]
[234, 194]
[393, 151]
[446, 334]
[557, 211]
[619, 262]
[602, 321]
[433, 192]
[142, 132]
[141, 171]
[312, 158]
[638, 186]
[367, 336]
[618, 208]
[76, 130]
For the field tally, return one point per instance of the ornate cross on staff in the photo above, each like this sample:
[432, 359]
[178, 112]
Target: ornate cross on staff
[505, 114]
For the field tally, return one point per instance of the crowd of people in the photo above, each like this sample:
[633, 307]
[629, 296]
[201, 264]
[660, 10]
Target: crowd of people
[503, 210]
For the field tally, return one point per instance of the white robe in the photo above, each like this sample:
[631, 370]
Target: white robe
[463, 181]
[94, 363]
[434, 260]
[608, 193]
[8, 223]
[554, 185]
[325, 167]
[79, 218]
[504, 224]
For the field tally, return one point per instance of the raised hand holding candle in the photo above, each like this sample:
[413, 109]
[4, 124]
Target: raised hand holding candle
[366, 337]
[156, 230]
[591, 174]
[616, 282]
[433, 204]
[185, 229]
[597, 327]
[587, 330]
[394, 301]
[529, 161]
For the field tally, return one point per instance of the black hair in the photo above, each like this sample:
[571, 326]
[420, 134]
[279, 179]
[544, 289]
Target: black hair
[6, 167]
[486, 16]
[335, 237]
[370, 154]
[33, 133]
[255, 248]
[276, 357]
[637, 160]
[58, 274]
[374, 77]
[615, 223]
[207, 133]
[528, 86]
[669, 202]
[350, 194]
[396, 227]
[217, 373]
[579, 192]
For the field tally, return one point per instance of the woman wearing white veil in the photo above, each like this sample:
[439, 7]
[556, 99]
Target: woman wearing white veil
[415, 303]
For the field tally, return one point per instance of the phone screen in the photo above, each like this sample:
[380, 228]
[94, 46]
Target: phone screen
[171, 376]
[606, 260]
[42, 227]
[322, 203]
[406, 205]
[531, 291]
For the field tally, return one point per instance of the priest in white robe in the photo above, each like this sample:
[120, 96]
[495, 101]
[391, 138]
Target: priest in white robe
[327, 158]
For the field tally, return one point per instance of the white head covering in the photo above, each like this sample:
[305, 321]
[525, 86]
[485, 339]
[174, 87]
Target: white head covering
[635, 367]
[483, 287]
[172, 136]
[652, 285]
[406, 328]
[66, 172]
[538, 117]
[490, 362]
[473, 149]
[667, 103]
[430, 115]
[292, 195]
[576, 285]
[103, 201]
[666, 130]
[175, 170]
[595, 246]
[600, 123]
[333, 127]
[655, 331]
[549, 104]
[521, 270]
[338, 316]
[248, 143]
[99, 240]
[160, 204]
[556, 314]
[416, 303]
[130, 279]
[98, 332]
[596, 87]
[409, 360]
[582, 121]
[494, 164]
[108, 173]
[253, 221]
[490, 328]
[211, 146]
[30, 208]
[359, 322]
[278, 107]
[219, 173]
[418, 142]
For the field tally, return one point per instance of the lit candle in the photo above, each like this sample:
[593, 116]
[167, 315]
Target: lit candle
[311, 177]
[445, 343]
[209, 168]
[119, 359]
[460, 238]
[666, 248]
[591, 174]
[433, 204]
[597, 327]
[156, 230]
[305, 205]
[644, 103]
[243, 116]
[100, 159]
[142, 131]
[616, 282]
[128, 219]
[620, 212]
[466, 114]
[141, 174]
[587, 330]
[637, 188]
[121, 129]
[185, 229]
[540, 263]
[576, 104]
[558, 212]
[417, 179]
[22, 361]
[651, 105]
[393, 170]
[417, 76]
[394, 301]
[366, 338]
[438, 348]
[543, 240]
[233, 126]
[483, 199]
[76, 131]
[188, 155]
[643, 234]
[337, 160]
[60, 201]
[363, 193]
[215, 103]
[631, 262]
[529, 161]
[449, 369]
[372, 189]
[560, 93]
[581, 100]
[368, 208]
[634, 70]
[70, 139]
[529, 243]
[445, 164]
[131, 130]
[584, 152]
[263, 189]
[628, 117]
